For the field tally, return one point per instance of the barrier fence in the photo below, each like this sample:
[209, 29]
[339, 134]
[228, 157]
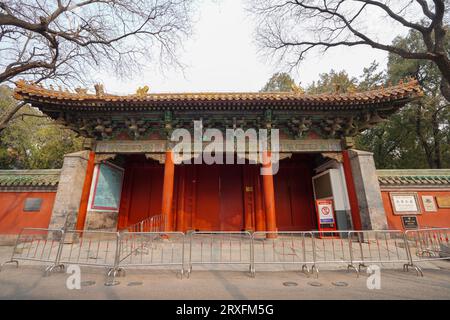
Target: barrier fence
[152, 224]
[220, 248]
[38, 245]
[283, 248]
[149, 249]
[89, 248]
[332, 247]
[381, 247]
[428, 244]
[302, 250]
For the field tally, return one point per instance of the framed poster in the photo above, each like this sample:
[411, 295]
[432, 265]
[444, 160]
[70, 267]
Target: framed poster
[405, 203]
[108, 187]
[443, 201]
[429, 204]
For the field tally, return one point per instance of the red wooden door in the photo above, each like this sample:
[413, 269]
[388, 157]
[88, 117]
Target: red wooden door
[294, 197]
[231, 198]
[219, 198]
[142, 191]
[206, 216]
[283, 199]
[303, 205]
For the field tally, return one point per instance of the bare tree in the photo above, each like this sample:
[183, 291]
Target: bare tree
[289, 29]
[67, 40]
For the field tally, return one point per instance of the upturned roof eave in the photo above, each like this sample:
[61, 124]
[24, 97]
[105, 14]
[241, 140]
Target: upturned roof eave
[400, 94]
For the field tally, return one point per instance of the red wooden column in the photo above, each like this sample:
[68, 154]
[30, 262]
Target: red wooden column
[167, 196]
[248, 198]
[82, 211]
[269, 196]
[181, 200]
[126, 197]
[354, 206]
[260, 217]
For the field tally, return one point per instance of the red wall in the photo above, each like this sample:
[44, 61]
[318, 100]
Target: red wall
[441, 218]
[12, 217]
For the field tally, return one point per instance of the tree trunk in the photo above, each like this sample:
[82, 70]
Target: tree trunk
[445, 89]
[437, 141]
[422, 139]
[9, 114]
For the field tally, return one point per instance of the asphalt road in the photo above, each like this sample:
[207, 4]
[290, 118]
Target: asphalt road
[27, 282]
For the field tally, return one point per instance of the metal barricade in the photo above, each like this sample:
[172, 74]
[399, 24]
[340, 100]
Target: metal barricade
[90, 248]
[379, 247]
[332, 247]
[303, 249]
[137, 227]
[428, 244]
[152, 224]
[38, 245]
[220, 248]
[283, 248]
[93, 249]
[150, 249]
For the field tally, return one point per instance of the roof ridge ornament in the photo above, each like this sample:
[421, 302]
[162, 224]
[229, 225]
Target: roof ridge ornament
[296, 89]
[99, 90]
[351, 90]
[81, 91]
[142, 91]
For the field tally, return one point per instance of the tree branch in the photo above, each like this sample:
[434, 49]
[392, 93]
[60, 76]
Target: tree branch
[334, 23]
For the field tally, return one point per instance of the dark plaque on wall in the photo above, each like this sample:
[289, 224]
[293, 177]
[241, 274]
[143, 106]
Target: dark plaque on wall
[410, 222]
[32, 204]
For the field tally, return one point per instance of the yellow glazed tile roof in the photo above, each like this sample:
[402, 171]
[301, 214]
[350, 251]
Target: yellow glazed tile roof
[32, 92]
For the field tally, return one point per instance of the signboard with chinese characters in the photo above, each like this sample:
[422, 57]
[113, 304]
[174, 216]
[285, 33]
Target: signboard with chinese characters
[410, 222]
[108, 187]
[429, 204]
[405, 203]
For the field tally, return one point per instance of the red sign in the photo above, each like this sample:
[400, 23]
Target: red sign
[325, 215]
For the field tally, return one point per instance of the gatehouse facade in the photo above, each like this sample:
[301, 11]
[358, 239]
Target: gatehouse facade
[127, 173]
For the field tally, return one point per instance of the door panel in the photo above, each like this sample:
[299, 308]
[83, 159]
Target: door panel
[145, 193]
[283, 198]
[301, 199]
[208, 201]
[140, 193]
[293, 196]
[219, 203]
[231, 198]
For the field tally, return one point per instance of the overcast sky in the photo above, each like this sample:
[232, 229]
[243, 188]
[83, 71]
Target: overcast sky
[221, 56]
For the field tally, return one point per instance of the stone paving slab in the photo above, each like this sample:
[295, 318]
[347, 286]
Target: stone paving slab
[27, 282]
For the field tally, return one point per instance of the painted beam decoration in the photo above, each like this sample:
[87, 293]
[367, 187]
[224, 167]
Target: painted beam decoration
[159, 146]
[108, 181]
[152, 116]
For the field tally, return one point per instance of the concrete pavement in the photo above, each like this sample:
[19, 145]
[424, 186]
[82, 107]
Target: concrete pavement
[27, 282]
